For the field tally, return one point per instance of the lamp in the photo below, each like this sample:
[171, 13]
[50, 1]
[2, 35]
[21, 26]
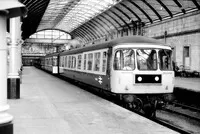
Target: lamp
[13, 8]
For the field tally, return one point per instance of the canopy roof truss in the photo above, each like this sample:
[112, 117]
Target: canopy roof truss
[93, 19]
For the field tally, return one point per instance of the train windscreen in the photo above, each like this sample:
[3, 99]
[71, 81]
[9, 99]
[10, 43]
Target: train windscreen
[146, 59]
[165, 59]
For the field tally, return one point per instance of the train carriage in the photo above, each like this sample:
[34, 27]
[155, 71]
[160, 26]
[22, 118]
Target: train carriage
[50, 62]
[137, 69]
[86, 65]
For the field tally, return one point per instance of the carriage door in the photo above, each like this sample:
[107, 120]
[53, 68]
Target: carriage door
[186, 57]
[122, 77]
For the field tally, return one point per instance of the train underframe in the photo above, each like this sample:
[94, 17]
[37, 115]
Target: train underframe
[145, 104]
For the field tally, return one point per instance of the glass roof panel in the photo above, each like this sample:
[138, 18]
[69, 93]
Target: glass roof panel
[188, 4]
[83, 12]
[158, 7]
[172, 6]
[147, 9]
[54, 8]
[52, 34]
[137, 11]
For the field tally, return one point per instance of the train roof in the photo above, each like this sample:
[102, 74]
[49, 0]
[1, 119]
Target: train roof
[123, 41]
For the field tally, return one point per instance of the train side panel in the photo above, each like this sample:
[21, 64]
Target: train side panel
[96, 80]
[88, 67]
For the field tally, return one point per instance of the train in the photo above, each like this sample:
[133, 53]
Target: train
[137, 69]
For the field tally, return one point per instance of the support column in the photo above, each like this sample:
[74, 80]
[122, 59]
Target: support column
[13, 73]
[6, 126]
[19, 52]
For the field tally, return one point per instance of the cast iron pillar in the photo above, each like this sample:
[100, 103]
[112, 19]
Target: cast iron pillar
[20, 59]
[8, 9]
[13, 73]
[6, 126]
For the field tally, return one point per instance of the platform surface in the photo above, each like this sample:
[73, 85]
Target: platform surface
[191, 84]
[48, 105]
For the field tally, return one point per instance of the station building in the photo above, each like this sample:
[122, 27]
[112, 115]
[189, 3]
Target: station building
[39, 27]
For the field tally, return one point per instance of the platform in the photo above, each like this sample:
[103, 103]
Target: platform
[191, 84]
[187, 90]
[49, 105]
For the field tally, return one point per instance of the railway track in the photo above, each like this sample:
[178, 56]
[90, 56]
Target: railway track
[172, 126]
[184, 110]
[181, 116]
[166, 123]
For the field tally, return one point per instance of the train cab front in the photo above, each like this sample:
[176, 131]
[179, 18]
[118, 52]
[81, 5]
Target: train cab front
[143, 75]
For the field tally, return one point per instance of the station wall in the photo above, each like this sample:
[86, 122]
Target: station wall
[183, 35]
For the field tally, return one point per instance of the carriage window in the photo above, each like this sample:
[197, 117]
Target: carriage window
[51, 61]
[65, 61]
[73, 62]
[146, 59]
[79, 61]
[104, 61]
[90, 60]
[124, 60]
[60, 62]
[69, 61]
[55, 61]
[85, 61]
[165, 59]
[97, 61]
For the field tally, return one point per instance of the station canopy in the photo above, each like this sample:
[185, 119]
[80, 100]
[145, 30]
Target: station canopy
[93, 19]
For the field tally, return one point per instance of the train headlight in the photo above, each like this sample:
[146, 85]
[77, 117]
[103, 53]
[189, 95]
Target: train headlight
[139, 78]
[156, 78]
